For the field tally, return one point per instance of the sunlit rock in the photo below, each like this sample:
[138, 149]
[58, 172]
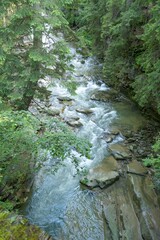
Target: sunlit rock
[120, 151]
[84, 110]
[64, 98]
[103, 175]
[136, 167]
[52, 111]
[74, 123]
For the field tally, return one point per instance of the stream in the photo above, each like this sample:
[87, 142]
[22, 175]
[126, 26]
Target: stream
[118, 200]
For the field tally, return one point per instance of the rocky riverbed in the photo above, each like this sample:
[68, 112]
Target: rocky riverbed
[114, 198]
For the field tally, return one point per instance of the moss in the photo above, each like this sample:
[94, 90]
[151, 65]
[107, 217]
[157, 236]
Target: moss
[16, 227]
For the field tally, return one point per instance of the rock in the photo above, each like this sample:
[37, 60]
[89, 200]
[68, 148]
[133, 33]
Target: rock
[103, 175]
[101, 96]
[83, 61]
[73, 117]
[43, 82]
[114, 131]
[64, 98]
[109, 139]
[74, 123]
[145, 199]
[131, 140]
[127, 133]
[101, 180]
[105, 96]
[53, 111]
[119, 151]
[136, 167]
[131, 148]
[84, 110]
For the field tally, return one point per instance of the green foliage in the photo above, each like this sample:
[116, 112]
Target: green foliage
[24, 59]
[59, 140]
[147, 84]
[126, 35]
[71, 85]
[154, 161]
[18, 151]
[16, 228]
[24, 139]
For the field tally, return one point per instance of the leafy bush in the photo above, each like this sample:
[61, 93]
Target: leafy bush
[18, 151]
[154, 161]
[16, 228]
[22, 139]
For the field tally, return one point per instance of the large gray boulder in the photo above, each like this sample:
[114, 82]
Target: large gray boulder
[119, 151]
[84, 110]
[136, 167]
[105, 96]
[64, 98]
[103, 175]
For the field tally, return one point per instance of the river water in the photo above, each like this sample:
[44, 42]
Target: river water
[59, 204]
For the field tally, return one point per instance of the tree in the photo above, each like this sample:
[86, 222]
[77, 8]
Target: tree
[24, 57]
[125, 36]
[147, 83]
[23, 139]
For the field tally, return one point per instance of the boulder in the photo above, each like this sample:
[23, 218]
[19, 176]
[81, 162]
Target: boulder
[52, 111]
[109, 139]
[104, 96]
[103, 175]
[119, 151]
[64, 98]
[101, 96]
[84, 110]
[136, 167]
[74, 123]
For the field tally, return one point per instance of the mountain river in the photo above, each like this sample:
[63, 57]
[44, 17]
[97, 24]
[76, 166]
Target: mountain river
[118, 201]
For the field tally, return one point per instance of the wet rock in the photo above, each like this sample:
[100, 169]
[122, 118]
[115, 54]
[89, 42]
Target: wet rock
[119, 151]
[64, 98]
[109, 139]
[146, 206]
[74, 123]
[131, 209]
[114, 131]
[101, 180]
[101, 96]
[84, 110]
[43, 82]
[72, 117]
[83, 61]
[53, 111]
[103, 175]
[136, 167]
[131, 148]
[104, 96]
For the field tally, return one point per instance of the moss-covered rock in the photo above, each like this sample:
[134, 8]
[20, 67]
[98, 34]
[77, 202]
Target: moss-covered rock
[15, 227]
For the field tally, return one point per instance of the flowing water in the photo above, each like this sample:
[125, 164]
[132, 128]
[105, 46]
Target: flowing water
[59, 204]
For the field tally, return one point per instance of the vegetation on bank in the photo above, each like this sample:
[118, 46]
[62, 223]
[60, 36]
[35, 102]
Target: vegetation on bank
[15, 227]
[126, 36]
[154, 161]
[24, 139]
